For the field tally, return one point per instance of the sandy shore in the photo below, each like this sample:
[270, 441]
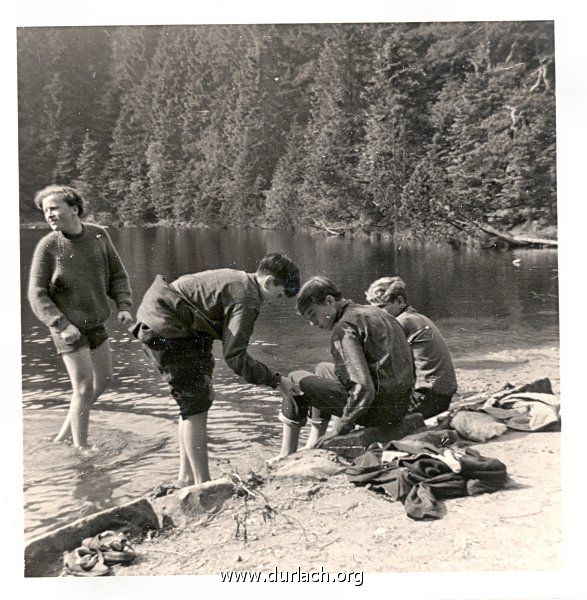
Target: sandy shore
[332, 524]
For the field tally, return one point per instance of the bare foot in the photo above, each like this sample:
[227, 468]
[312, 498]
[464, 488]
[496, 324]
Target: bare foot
[87, 451]
[181, 483]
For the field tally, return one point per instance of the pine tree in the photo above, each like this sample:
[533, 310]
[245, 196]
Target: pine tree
[87, 182]
[282, 201]
[397, 123]
[335, 133]
[205, 157]
[163, 155]
[390, 121]
[129, 53]
[242, 200]
[126, 170]
[38, 105]
[65, 170]
[51, 144]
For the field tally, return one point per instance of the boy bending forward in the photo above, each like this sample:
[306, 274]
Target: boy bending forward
[177, 324]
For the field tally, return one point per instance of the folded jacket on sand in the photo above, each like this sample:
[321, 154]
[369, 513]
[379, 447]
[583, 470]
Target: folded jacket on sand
[420, 482]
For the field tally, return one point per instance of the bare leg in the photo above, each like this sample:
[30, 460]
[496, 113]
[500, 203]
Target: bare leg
[325, 370]
[102, 364]
[185, 475]
[289, 442]
[195, 443]
[101, 358]
[317, 430]
[81, 374]
[64, 434]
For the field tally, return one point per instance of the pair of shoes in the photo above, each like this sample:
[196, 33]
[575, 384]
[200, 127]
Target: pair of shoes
[85, 562]
[114, 546]
[97, 554]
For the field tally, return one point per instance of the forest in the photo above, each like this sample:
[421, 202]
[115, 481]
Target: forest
[436, 129]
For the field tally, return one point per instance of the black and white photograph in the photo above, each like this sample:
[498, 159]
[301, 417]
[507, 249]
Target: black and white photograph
[290, 300]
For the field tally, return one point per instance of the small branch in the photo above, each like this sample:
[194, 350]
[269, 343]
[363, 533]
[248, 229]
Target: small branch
[268, 510]
[519, 516]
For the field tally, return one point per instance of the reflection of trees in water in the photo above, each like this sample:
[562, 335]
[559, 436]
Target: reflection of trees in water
[445, 283]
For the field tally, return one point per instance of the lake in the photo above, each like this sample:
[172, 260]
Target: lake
[483, 303]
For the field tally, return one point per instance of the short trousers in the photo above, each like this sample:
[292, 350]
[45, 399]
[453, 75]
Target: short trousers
[428, 404]
[186, 364]
[89, 338]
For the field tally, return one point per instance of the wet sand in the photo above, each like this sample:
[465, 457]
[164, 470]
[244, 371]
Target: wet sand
[334, 525]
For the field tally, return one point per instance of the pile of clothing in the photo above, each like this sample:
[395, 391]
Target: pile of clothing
[531, 407]
[422, 470]
[425, 468]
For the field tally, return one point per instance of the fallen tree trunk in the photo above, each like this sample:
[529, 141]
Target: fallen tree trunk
[538, 241]
[321, 225]
[498, 234]
[463, 223]
[517, 241]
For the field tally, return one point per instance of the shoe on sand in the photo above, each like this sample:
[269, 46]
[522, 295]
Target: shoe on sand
[114, 546]
[85, 562]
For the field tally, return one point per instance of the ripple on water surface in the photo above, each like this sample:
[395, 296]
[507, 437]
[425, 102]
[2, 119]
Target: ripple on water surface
[63, 483]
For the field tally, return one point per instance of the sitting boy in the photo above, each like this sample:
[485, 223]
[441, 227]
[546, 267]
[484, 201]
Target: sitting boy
[436, 380]
[177, 324]
[372, 376]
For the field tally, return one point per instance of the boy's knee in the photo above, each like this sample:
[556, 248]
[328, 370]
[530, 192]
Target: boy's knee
[102, 385]
[194, 416]
[325, 370]
[291, 422]
[85, 389]
[297, 376]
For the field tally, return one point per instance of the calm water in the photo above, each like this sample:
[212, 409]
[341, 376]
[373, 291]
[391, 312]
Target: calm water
[481, 301]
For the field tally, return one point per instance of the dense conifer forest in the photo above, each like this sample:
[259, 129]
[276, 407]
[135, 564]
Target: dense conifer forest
[424, 128]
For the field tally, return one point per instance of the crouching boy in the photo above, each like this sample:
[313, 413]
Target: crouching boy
[369, 382]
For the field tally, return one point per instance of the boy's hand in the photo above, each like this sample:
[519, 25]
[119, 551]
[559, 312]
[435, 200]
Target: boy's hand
[324, 438]
[71, 333]
[288, 388]
[124, 317]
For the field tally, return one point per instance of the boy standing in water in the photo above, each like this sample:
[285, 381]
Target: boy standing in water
[75, 269]
[436, 381]
[372, 376]
[177, 324]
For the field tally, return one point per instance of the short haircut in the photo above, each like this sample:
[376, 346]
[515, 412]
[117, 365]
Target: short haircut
[314, 291]
[283, 269]
[66, 193]
[385, 290]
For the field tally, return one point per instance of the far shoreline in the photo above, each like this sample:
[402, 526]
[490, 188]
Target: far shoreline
[525, 237]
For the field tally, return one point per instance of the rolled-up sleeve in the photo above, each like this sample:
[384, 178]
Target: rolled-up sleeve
[238, 329]
[349, 357]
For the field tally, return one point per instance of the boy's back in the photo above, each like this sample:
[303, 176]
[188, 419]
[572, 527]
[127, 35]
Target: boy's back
[432, 360]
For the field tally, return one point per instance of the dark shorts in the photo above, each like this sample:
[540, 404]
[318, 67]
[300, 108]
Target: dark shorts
[329, 398]
[186, 364]
[89, 338]
[428, 404]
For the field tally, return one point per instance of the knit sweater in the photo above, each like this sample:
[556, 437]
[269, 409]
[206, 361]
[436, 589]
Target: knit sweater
[72, 277]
